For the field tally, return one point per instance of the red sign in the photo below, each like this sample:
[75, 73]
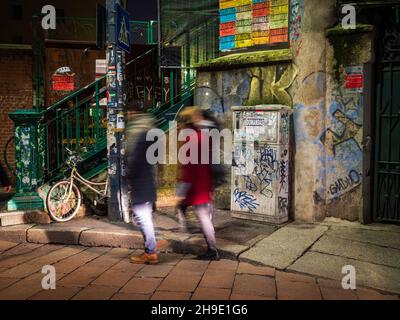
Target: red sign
[354, 79]
[63, 82]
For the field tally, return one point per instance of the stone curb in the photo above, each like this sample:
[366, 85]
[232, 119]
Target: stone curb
[103, 237]
[106, 238]
[16, 233]
[14, 218]
[257, 263]
[55, 235]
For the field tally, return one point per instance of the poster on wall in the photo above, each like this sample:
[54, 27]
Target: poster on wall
[63, 80]
[252, 23]
[101, 68]
[354, 79]
[101, 71]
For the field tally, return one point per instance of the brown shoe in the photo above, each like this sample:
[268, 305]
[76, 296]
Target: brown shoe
[162, 244]
[145, 258]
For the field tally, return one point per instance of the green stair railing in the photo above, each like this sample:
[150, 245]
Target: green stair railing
[156, 89]
[169, 110]
[79, 121]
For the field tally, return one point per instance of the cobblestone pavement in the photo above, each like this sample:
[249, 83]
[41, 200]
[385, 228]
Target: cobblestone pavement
[104, 273]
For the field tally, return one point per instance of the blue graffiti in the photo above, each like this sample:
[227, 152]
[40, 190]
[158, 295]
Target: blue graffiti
[265, 178]
[268, 158]
[250, 185]
[267, 170]
[245, 200]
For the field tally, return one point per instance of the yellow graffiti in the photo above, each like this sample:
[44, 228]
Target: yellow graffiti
[279, 89]
[265, 88]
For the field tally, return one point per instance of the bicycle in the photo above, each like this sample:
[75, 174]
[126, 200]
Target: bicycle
[65, 198]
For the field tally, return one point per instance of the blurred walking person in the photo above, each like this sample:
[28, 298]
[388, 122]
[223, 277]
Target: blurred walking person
[195, 186]
[141, 180]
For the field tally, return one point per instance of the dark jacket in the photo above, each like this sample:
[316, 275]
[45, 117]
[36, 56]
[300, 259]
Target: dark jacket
[140, 174]
[4, 179]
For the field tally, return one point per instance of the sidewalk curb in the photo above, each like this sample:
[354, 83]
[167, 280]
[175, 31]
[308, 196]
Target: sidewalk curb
[101, 237]
[16, 233]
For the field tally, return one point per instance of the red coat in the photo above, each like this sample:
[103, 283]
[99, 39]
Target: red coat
[199, 176]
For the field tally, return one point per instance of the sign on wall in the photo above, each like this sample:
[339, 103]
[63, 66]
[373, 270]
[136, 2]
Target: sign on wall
[252, 23]
[354, 79]
[63, 80]
[101, 68]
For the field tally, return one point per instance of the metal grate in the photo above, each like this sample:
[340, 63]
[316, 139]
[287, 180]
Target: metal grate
[387, 156]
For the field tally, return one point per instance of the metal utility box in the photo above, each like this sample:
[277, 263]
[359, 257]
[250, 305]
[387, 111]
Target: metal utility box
[261, 163]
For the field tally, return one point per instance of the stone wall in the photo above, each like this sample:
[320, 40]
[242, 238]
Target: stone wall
[343, 138]
[309, 99]
[310, 77]
[300, 82]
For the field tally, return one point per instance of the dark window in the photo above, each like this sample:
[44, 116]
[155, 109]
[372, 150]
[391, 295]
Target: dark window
[60, 14]
[16, 11]
[17, 39]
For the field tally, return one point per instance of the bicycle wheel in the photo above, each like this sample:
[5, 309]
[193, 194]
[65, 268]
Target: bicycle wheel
[59, 208]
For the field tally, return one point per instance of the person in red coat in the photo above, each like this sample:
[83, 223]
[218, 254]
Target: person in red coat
[195, 185]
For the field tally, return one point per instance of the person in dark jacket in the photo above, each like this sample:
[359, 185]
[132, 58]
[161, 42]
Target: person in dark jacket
[5, 180]
[141, 181]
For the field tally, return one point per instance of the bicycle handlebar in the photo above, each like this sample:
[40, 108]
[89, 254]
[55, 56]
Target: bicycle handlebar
[73, 157]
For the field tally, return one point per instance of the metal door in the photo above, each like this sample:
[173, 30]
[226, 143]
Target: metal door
[387, 140]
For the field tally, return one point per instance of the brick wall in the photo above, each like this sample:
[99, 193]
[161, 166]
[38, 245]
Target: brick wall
[81, 64]
[15, 93]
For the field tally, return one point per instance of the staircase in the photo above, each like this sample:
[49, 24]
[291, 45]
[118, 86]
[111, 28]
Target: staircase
[79, 121]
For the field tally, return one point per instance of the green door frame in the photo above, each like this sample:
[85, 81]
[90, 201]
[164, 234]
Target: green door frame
[368, 142]
[386, 194]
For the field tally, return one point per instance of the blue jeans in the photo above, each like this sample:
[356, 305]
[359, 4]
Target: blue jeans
[143, 216]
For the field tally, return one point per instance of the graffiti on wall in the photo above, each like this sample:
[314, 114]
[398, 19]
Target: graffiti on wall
[261, 167]
[145, 89]
[338, 145]
[296, 23]
[343, 142]
[350, 131]
[284, 172]
[266, 170]
[283, 206]
[285, 128]
[269, 180]
[269, 85]
[258, 182]
[245, 200]
[345, 184]
[220, 91]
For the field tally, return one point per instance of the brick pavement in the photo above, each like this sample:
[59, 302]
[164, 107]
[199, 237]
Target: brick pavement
[105, 273]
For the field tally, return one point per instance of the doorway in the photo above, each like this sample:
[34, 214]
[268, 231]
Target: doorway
[386, 188]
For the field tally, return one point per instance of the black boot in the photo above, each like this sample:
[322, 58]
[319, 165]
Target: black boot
[211, 254]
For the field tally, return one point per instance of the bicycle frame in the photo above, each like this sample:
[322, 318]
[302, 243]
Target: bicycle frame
[91, 185]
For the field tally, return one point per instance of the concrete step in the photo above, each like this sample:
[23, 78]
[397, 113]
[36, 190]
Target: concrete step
[13, 218]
